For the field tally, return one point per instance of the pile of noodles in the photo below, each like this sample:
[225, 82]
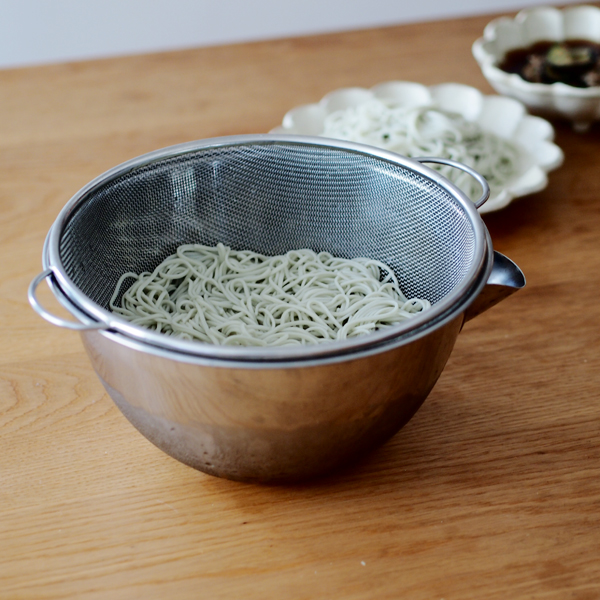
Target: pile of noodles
[428, 131]
[221, 296]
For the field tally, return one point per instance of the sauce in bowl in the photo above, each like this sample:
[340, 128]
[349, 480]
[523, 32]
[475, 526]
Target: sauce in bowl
[573, 62]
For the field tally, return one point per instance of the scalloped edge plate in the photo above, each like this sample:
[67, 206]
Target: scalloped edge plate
[506, 117]
[579, 105]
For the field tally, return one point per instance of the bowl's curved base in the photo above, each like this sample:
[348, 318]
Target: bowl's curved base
[263, 456]
[270, 422]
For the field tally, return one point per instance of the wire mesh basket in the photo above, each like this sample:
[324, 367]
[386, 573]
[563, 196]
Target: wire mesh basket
[269, 194]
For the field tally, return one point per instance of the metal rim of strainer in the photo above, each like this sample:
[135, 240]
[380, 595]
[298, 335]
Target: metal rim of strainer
[93, 317]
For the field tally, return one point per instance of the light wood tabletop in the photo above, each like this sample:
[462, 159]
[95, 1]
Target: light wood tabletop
[492, 491]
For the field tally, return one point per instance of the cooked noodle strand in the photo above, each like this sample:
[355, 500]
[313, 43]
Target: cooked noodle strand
[220, 296]
[428, 131]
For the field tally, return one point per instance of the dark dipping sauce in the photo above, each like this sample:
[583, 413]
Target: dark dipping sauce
[573, 62]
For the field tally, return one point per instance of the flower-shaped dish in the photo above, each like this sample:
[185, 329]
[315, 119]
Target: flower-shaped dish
[580, 105]
[505, 117]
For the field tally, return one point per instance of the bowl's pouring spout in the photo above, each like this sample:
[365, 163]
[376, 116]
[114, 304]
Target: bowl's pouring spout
[505, 279]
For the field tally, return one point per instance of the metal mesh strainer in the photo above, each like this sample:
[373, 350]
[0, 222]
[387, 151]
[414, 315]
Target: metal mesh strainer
[269, 194]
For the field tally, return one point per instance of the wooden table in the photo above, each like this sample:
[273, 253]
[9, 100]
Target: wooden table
[491, 491]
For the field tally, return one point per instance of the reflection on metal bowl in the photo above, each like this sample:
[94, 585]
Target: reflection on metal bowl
[286, 413]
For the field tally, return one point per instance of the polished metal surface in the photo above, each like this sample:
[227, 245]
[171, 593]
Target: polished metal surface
[485, 188]
[287, 413]
[505, 279]
[83, 324]
[272, 422]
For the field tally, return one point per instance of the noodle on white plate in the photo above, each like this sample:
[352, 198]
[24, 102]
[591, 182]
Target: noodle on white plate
[221, 296]
[428, 131]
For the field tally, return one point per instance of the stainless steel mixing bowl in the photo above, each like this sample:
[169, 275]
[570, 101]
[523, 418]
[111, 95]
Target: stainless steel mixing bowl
[292, 412]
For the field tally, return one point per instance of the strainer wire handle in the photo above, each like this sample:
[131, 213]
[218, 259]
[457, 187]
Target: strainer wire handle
[40, 310]
[485, 186]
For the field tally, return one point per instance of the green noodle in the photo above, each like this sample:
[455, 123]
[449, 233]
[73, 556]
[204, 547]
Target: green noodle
[220, 296]
[428, 131]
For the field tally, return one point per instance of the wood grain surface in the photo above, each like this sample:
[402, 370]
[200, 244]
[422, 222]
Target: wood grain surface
[492, 491]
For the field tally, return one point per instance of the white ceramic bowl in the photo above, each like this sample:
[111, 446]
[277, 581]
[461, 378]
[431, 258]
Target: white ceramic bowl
[503, 116]
[579, 105]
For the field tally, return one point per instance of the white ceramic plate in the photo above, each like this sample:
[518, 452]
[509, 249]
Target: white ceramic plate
[579, 105]
[505, 117]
